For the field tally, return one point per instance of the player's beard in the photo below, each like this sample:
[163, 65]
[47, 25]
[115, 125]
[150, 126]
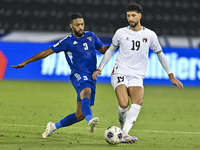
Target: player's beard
[133, 26]
[78, 34]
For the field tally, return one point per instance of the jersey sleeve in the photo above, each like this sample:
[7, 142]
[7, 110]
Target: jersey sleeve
[60, 46]
[155, 45]
[98, 43]
[115, 39]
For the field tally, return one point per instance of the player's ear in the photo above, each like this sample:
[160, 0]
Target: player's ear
[70, 25]
[140, 15]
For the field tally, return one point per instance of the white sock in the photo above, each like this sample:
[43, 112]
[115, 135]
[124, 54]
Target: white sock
[131, 118]
[122, 115]
[53, 126]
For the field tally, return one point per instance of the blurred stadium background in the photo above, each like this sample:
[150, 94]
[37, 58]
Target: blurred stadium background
[29, 26]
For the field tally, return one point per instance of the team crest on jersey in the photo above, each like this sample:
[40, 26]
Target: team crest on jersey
[144, 40]
[89, 38]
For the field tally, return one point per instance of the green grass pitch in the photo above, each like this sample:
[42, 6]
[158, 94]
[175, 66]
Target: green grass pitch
[169, 118]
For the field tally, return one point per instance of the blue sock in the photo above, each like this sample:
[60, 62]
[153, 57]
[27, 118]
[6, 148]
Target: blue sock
[86, 110]
[67, 121]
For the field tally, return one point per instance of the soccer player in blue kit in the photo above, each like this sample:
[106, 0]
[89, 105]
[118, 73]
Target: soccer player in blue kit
[79, 48]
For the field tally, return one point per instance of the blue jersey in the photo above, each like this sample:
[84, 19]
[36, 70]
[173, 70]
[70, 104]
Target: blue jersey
[80, 52]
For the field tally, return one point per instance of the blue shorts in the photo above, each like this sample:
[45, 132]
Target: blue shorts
[80, 82]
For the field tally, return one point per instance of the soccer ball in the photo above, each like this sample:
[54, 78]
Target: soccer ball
[113, 135]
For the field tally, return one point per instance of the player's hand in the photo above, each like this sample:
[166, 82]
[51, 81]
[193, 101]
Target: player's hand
[95, 74]
[19, 65]
[175, 81]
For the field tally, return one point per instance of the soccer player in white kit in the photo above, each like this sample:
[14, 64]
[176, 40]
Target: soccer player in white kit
[134, 42]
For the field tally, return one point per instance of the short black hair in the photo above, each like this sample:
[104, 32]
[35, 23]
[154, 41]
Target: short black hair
[134, 7]
[75, 16]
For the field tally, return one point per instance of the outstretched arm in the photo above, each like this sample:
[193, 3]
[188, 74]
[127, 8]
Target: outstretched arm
[104, 61]
[38, 56]
[103, 49]
[163, 60]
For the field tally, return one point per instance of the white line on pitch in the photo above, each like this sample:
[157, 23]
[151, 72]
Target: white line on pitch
[20, 125]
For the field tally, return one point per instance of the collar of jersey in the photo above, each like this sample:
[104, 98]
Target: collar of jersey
[78, 37]
[143, 28]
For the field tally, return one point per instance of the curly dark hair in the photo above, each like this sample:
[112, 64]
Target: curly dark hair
[134, 7]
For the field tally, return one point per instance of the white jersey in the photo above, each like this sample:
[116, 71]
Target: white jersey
[132, 57]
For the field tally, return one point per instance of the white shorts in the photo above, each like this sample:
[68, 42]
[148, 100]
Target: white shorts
[118, 79]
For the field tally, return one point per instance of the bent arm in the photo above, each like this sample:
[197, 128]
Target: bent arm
[103, 49]
[36, 57]
[104, 61]
[107, 56]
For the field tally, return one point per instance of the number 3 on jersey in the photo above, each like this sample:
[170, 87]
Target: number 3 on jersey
[85, 46]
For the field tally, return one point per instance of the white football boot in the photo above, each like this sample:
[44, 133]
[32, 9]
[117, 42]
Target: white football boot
[129, 139]
[93, 122]
[49, 130]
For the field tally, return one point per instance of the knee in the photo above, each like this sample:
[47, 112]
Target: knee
[140, 102]
[123, 105]
[85, 93]
[79, 116]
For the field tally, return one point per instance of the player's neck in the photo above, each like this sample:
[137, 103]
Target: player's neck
[77, 36]
[138, 27]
